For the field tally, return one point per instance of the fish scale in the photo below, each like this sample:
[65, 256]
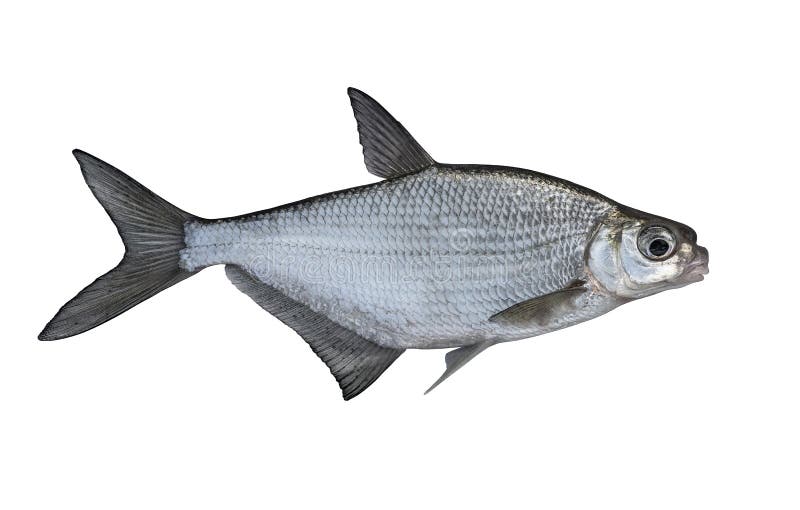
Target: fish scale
[491, 254]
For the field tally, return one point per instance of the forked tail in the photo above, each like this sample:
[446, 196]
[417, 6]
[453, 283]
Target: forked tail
[152, 231]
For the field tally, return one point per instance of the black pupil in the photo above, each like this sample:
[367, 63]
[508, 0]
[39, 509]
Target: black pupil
[659, 247]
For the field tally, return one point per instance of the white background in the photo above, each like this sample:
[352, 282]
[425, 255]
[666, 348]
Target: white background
[199, 399]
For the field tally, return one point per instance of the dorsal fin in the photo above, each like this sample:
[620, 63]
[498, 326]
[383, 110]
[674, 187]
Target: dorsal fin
[353, 360]
[389, 150]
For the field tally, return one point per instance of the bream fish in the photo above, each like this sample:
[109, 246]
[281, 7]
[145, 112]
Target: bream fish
[433, 256]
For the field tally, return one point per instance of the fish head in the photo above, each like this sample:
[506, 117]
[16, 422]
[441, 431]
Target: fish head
[633, 254]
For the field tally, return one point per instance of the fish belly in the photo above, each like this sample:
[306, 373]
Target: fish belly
[421, 261]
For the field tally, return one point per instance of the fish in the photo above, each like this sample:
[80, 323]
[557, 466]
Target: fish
[432, 256]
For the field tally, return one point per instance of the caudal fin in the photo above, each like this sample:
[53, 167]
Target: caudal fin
[152, 231]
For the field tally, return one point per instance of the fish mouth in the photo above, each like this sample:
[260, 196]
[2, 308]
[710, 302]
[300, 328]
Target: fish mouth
[698, 267]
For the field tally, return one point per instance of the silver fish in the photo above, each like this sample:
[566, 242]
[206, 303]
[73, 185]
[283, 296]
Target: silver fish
[434, 256]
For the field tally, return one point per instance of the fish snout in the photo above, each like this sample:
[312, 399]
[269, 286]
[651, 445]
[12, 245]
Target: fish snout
[701, 258]
[699, 264]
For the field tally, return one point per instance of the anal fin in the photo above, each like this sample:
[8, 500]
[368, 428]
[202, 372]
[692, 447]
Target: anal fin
[354, 361]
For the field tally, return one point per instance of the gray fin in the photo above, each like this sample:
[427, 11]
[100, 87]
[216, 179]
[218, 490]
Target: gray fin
[354, 361]
[457, 358]
[152, 231]
[542, 309]
[389, 150]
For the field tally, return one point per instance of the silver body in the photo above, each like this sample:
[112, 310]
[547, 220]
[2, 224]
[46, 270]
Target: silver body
[434, 256]
[424, 260]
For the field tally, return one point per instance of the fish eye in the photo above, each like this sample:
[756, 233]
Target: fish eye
[656, 242]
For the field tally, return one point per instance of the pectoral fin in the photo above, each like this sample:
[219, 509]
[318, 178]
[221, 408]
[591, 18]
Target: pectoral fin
[457, 358]
[541, 310]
